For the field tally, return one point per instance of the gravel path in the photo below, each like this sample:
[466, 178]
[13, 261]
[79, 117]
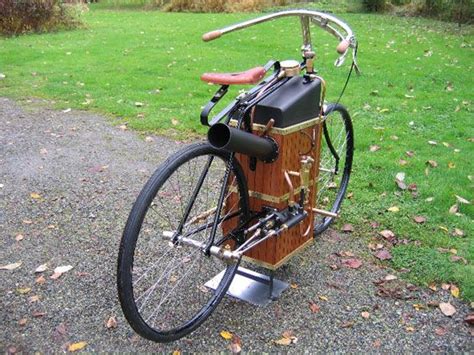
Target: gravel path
[87, 174]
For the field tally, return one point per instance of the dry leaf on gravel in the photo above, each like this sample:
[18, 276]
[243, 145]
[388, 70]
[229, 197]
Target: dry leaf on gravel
[447, 309]
[41, 268]
[314, 307]
[77, 346]
[286, 339]
[22, 322]
[383, 255]
[441, 331]
[19, 237]
[352, 263]
[60, 270]
[455, 291]
[111, 323]
[323, 298]
[12, 266]
[348, 324]
[35, 195]
[226, 335]
[469, 319]
[365, 315]
[390, 278]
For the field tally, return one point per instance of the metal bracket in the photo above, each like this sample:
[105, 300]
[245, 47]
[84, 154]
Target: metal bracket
[251, 287]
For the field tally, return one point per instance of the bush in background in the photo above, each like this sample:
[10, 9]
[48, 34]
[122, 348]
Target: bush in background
[221, 5]
[21, 16]
[374, 5]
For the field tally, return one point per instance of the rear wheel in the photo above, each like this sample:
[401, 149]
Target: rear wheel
[337, 149]
[161, 283]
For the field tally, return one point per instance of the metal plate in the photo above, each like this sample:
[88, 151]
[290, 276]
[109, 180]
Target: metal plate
[251, 287]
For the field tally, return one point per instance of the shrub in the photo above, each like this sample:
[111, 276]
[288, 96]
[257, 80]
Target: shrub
[20, 16]
[374, 5]
[221, 5]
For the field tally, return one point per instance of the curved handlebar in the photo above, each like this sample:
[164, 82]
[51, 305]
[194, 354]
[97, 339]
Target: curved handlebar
[323, 20]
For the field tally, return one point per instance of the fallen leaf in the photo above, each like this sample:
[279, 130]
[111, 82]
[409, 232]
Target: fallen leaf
[432, 142]
[400, 176]
[469, 318]
[402, 162]
[393, 209]
[19, 237]
[283, 341]
[323, 298]
[383, 255]
[441, 331]
[454, 209]
[365, 315]
[111, 323]
[294, 286]
[22, 322]
[447, 309]
[410, 329]
[384, 110]
[40, 280]
[462, 200]
[429, 199]
[410, 153]
[457, 232]
[41, 268]
[390, 278]
[138, 104]
[419, 219]
[61, 329]
[34, 299]
[352, 263]
[419, 306]
[455, 291]
[77, 346]
[401, 185]
[174, 121]
[12, 266]
[347, 228]
[176, 352]
[387, 234]
[348, 324]
[451, 165]
[445, 287]
[314, 307]
[432, 287]
[226, 335]
[60, 270]
[235, 348]
[149, 139]
[377, 343]
[38, 314]
[374, 148]
[432, 163]
[23, 290]
[35, 195]
[123, 127]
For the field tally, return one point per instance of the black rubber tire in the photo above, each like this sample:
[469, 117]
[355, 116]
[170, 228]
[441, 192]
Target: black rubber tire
[131, 235]
[337, 112]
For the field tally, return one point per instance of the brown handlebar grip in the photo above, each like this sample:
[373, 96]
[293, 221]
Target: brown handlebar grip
[206, 37]
[342, 47]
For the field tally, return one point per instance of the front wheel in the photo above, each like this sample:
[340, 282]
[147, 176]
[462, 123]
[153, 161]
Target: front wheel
[337, 150]
[160, 282]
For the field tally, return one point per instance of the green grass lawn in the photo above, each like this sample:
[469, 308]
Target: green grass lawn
[143, 69]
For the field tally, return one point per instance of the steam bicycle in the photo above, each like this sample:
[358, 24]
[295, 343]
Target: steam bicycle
[271, 176]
